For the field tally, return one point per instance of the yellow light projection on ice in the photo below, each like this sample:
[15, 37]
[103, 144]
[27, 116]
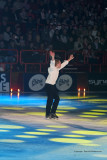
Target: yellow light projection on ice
[81, 119]
[12, 108]
[59, 111]
[46, 130]
[88, 116]
[89, 132]
[101, 155]
[53, 126]
[73, 136]
[94, 100]
[96, 110]
[102, 122]
[66, 108]
[4, 130]
[84, 144]
[94, 113]
[61, 107]
[37, 133]
[70, 140]
[11, 141]
[39, 114]
[11, 127]
[76, 97]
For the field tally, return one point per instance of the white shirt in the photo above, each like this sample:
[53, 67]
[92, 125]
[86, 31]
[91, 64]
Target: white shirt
[54, 72]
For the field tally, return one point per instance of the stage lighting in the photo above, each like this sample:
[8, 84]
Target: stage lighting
[18, 90]
[78, 94]
[11, 90]
[78, 89]
[84, 89]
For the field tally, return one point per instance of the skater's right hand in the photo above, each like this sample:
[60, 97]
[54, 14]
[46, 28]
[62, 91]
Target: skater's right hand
[52, 54]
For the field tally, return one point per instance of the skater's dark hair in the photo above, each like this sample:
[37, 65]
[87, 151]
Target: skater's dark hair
[57, 61]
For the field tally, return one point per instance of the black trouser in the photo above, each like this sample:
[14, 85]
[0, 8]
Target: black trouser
[52, 99]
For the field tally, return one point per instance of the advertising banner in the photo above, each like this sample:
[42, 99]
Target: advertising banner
[67, 82]
[36, 82]
[4, 82]
[97, 82]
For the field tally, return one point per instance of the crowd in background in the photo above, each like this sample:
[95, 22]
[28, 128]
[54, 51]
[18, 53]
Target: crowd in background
[71, 25]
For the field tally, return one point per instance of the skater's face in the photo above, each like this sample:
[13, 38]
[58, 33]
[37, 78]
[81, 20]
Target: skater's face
[59, 64]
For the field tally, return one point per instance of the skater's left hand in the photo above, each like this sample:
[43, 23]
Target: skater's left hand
[71, 57]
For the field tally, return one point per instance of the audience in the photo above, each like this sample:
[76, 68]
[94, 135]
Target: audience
[58, 24]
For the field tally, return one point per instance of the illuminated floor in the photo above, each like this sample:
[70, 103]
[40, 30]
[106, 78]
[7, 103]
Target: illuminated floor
[79, 134]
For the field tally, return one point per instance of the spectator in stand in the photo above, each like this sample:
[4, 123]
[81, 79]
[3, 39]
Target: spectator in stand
[64, 39]
[26, 4]
[17, 6]
[22, 40]
[1, 36]
[90, 37]
[6, 12]
[29, 38]
[87, 52]
[51, 31]
[2, 55]
[73, 34]
[2, 44]
[89, 55]
[43, 16]
[23, 15]
[2, 4]
[80, 29]
[33, 5]
[22, 45]
[103, 44]
[96, 44]
[56, 42]
[2, 68]
[31, 14]
[43, 53]
[84, 19]
[85, 42]
[16, 39]
[11, 54]
[11, 45]
[31, 46]
[94, 31]
[7, 35]
[16, 35]
[30, 25]
[4, 24]
[78, 44]
[9, 3]
[99, 36]
[38, 41]
[104, 30]
[70, 44]
[45, 34]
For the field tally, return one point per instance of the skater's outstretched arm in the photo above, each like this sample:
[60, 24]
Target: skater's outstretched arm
[67, 61]
[70, 58]
[52, 54]
[52, 62]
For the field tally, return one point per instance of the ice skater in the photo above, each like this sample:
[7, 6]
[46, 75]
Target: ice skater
[52, 93]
